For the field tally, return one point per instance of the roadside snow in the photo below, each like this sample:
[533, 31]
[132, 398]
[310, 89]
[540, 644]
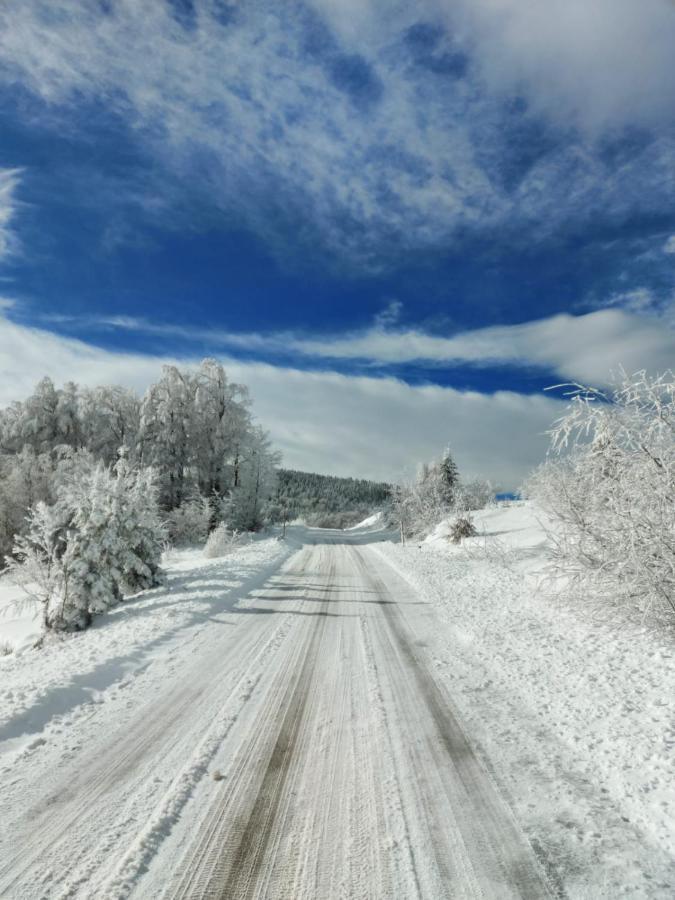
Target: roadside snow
[371, 523]
[567, 707]
[51, 686]
[20, 625]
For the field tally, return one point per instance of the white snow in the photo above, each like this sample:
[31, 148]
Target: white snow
[369, 524]
[568, 707]
[52, 687]
[20, 624]
[572, 717]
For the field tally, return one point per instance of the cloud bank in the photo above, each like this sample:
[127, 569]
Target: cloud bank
[590, 348]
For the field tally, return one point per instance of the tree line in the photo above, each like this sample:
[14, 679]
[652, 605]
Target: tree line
[94, 481]
[326, 501]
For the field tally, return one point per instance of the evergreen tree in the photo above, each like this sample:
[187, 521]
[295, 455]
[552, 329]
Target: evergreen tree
[449, 476]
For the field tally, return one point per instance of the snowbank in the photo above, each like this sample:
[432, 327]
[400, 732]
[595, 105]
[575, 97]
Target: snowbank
[49, 687]
[369, 524]
[570, 707]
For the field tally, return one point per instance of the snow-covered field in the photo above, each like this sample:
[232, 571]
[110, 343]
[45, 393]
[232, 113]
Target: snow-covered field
[355, 718]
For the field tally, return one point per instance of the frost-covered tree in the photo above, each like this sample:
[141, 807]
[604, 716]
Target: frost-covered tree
[610, 484]
[34, 422]
[248, 502]
[220, 423]
[109, 419]
[68, 422]
[166, 434]
[473, 494]
[422, 503]
[37, 564]
[26, 478]
[448, 475]
[190, 522]
[221, 542]
[100, 539]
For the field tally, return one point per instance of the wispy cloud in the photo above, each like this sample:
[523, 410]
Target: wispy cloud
[322, 421]
[590, 347]
[9, 179]
[368, 129]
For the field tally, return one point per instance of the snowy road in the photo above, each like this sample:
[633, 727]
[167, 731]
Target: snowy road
[341, 770]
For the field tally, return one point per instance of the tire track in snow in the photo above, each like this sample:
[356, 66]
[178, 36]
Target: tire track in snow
[164, 725]
[495, 847]
[227, 856]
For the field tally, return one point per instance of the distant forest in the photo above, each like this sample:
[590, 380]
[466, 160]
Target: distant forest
[325, 500]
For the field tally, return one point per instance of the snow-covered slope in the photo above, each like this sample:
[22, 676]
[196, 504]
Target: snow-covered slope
[515, 529]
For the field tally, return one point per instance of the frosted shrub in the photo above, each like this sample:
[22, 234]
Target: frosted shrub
[462, 528]
[473, 495]
[189, 523]
[611, 486]
[102, 538]
[38, 563]
[420, 505]
[221, 542]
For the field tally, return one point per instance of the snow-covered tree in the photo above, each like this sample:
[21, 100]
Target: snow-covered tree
[141, 531]
[109, 419]
[189, 523]
[100, 539]
[26, 478]
[422, 503]
[37, 564]
[68, 422]
[166, 433]
[610, 484]
[248, 502]
[448, 475]
[221, 422]
[472, 495]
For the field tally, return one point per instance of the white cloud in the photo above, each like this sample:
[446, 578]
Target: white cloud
[343, 131]
[9, 179]
[601, 64]
[669, 246]
[322, 422]
[588, 348]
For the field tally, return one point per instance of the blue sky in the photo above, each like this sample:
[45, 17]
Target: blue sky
[464, 201]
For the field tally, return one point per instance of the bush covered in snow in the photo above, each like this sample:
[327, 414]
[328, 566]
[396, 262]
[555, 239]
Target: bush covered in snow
[221, 542]
[100, 539]
[461, 528]
[189, 523]
[611, 486]
[434, 495]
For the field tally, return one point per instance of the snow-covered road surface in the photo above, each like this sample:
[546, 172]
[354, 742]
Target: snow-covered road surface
[299, 745]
